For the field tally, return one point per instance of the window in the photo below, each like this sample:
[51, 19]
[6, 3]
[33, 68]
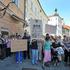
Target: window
[29, 3]
[16, 2]
[55, 18]
[27, 13]
[32, 6]
[36, 12]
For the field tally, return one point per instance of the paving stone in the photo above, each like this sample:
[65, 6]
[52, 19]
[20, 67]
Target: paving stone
[10, 64]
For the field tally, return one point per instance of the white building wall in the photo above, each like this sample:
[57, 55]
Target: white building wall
[56, 21]
[34, 11]
[53, 20]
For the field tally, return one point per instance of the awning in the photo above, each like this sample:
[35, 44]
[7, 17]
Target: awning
[66, 27]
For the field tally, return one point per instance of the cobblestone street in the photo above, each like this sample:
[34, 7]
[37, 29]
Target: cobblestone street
[34, 35]
[10, 64]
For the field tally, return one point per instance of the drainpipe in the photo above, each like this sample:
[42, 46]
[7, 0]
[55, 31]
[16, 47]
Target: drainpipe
[24, 11]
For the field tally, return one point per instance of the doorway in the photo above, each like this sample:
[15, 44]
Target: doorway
[4, 32]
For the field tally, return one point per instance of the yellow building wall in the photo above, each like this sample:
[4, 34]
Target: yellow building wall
[13, 8]
[19, 11]
[7, 22]
[21, 5]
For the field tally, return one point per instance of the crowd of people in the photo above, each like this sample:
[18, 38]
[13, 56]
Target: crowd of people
[51, 49]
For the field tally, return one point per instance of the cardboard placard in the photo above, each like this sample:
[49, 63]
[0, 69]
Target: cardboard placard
[18, 45]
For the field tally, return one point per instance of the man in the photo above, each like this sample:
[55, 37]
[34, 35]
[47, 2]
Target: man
[27, 53]
[67, 50]
[2, 47]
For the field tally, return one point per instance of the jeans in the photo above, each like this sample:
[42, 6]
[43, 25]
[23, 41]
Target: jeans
[67, 56]
[34, 56]
[19, 56]
[24, 54]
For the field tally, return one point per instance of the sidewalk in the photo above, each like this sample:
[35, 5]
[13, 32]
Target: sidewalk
[10, 64]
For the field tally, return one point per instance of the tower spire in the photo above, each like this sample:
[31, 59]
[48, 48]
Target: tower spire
[56, 10]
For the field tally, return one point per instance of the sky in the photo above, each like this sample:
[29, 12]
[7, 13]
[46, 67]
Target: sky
[63, 7]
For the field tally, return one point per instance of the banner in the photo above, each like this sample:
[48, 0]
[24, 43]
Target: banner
[18, 45]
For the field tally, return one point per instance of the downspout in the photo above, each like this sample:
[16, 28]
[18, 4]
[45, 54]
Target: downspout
[24, 11]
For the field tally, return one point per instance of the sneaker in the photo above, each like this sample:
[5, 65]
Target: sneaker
[43, 67]
[21, 62]
[36, 62]
[47, 64]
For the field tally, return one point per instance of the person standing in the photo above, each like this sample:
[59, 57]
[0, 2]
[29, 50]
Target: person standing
[47, 50]
[66, 43]
[1, 46]
[28, 46]
[8, 44]
[19, 55]
[27, 53]
[4, 46]
[34, 50]
[40, 45]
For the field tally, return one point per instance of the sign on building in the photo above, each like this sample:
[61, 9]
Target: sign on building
[36, 29]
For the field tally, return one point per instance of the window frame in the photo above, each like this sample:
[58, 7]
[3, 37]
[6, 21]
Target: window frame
[16, 2]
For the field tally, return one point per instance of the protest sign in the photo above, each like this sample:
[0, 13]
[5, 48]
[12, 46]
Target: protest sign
[18, 45]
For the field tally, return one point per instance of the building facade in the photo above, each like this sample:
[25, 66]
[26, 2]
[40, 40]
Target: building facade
[35, 11]
[13, 20]
[66, 30]
[26, 10]
[56, 21]
[50, 29]
[19, 11]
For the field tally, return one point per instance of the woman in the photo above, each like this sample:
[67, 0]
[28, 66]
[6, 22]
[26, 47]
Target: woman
[47, 49]
[8, 43]
[34, 48]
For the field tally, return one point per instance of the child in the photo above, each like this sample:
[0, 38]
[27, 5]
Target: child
[34, 48]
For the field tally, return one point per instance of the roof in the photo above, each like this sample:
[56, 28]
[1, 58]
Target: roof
[42, 8]
[55, 14]
[66, 27]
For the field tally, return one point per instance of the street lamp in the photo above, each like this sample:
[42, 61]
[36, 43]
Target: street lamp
[3, 10]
